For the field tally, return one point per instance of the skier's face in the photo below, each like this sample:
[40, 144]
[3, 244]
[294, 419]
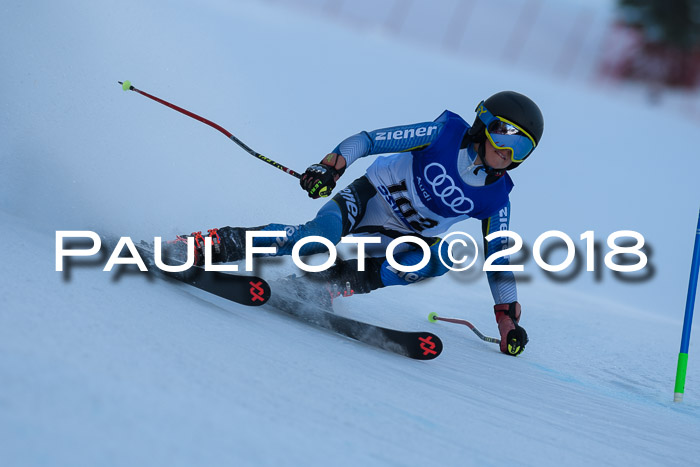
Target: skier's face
[497, 158]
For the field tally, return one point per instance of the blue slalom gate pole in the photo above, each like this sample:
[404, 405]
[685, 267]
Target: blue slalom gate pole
[688, 320]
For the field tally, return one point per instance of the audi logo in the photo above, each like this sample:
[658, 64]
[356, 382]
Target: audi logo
[444, 188]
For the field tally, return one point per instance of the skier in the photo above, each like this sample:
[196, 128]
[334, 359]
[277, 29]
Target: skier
[441, 172]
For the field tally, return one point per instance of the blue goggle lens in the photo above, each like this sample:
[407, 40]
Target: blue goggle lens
[506, 136]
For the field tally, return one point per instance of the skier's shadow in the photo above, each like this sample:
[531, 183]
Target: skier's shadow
[98, 261]
[70, 263]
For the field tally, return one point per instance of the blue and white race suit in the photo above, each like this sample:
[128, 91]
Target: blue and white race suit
[428, 184]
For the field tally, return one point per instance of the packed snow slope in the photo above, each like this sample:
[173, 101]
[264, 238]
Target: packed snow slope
[115, 368]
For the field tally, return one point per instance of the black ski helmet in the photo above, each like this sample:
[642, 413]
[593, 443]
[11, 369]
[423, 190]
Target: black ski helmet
[516, 108]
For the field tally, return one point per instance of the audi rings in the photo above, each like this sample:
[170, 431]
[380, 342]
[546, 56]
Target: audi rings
[450, 194]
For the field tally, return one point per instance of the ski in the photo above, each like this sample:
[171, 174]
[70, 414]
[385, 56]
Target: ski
[255, 291]
[246, 290]
[416, 345]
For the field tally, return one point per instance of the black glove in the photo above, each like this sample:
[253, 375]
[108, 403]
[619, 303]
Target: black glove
[319, 179]
[513, 336]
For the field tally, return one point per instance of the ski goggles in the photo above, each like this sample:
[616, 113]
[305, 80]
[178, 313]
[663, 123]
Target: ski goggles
[504, 134]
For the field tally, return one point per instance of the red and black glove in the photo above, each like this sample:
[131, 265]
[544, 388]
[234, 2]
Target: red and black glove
[513, 337]
[319, 179]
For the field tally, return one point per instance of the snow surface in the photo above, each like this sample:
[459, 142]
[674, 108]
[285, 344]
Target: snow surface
[116, 369]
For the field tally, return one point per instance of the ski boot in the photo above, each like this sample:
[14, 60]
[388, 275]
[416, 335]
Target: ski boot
[228, 245]
[513, 337]
[342, 279]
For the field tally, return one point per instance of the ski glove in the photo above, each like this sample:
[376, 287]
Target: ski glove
[319, 179]
[513, 337]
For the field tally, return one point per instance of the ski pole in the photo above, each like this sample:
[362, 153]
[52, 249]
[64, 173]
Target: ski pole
[126, 86]
[433, 318]
[688, 319]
